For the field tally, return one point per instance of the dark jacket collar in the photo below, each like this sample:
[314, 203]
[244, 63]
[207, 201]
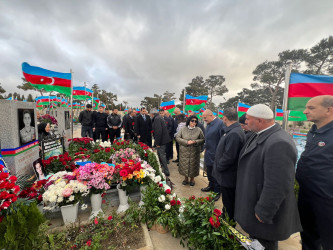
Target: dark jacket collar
[232, 126]
[322, 129]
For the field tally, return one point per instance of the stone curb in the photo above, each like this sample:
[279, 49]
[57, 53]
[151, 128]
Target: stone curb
[148, 241]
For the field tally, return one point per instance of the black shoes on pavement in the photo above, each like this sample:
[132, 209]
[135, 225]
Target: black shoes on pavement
[206, 189]
[217, 197]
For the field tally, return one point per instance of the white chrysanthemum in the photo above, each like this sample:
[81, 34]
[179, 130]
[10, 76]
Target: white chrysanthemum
[71, 198]
[157, 179]
[181, 209]
[167, 207]
[169, 197]
[161, 198]
[60, 199]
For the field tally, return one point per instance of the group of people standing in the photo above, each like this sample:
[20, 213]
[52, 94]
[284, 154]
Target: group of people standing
[250, 162]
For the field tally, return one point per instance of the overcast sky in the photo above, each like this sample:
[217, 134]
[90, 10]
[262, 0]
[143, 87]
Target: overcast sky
[137, 48]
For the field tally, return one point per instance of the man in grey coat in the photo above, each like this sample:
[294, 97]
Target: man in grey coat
[265, 204]
[161, 136]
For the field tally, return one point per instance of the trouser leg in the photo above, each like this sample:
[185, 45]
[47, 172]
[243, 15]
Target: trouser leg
[228, 199]
[162, 158]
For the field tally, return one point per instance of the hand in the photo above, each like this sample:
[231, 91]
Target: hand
[259, 218]
[158, 146]
[94, 129]
[138, 136]
[106, 128]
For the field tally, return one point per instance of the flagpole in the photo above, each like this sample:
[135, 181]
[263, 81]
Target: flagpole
[85, 92]
[285, 96]
[72, 103]
[184, 100]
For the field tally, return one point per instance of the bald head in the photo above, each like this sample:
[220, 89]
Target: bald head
[176, 111]
[319, 110]
[208, 116]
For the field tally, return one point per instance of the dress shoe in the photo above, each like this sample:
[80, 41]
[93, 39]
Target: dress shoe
[217, 197]
[176, 160]
[206, 189]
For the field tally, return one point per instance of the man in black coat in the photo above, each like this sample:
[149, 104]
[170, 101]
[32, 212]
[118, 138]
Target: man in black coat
[100, 125]
[170, 126]
[128, 124]
[315, 176]
[226, 159]
[86, 120]
[265, 204]
[162, 138]
[143, 127]
[114, 124]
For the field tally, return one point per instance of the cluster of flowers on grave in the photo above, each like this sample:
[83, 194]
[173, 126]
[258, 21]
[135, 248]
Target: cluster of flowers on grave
[94, 167]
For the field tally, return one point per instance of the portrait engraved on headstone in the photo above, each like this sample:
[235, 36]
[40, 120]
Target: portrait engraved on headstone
[26, 119]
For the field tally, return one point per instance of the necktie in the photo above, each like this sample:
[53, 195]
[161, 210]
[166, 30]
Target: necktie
[144, 117]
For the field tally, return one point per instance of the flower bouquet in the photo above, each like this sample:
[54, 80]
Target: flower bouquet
[127, 153]
[8, 191]
[49, 119]
[77, 144]
[59, 163]
[98, 178]
[63, 189]
[34, 192]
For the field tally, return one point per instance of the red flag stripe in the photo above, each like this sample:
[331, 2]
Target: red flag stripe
[242, 109]
[194, 102]
[310, 89]
[44, 80]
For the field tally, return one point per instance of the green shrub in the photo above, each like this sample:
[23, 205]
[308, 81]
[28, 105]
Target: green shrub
[19, 228]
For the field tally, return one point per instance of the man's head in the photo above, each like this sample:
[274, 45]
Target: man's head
[242, 122]
[259, 117]
[230, 116]
[107, 111]
[101, 109]
[319, 110]
[88, 107]
[132, 113]
[166, 113]
[129, 110]
[177, 111]
[115, 111]
[143, 111]
[208, 116]
[161, 112]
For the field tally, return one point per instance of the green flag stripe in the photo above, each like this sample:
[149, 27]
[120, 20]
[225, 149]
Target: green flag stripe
[49, 88]
[297, 103]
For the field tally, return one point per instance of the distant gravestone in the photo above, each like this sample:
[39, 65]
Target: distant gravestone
[63, 117]
[18, 135]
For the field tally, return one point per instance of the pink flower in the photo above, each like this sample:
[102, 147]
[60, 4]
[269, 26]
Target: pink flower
[96, 221]
[67, 192]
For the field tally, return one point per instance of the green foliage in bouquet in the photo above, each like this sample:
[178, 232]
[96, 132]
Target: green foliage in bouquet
[201, 226]
[19, 228]
[78, 144]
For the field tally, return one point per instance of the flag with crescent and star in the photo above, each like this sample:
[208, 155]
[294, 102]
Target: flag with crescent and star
[195, 103]
[48, 80]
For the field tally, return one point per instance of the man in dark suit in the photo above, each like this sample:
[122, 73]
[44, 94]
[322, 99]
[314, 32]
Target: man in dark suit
[100, 125]
[143, 127]
[128, 124]
[265, 200]
[226, 159]
[162, 138]
[315, 176]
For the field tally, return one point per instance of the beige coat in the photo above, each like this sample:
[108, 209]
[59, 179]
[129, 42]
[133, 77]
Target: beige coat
[189, 155]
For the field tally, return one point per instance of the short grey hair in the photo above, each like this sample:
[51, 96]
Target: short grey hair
[327, 101]
[231, 114]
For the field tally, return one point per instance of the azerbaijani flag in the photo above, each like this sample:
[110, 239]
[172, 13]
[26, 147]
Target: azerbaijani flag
[278, 114]
[95, 103]
[39, 106]
[303, 87]
[220, 113]
[195, 103]
[169, 106]
[48, 80]
[137, 111]
[82, 93]
[64, 102]
[242, 108]
[294, 115]
[43, 100]
[10, 98]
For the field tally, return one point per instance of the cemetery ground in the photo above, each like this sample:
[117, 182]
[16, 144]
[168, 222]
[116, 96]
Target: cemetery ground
[166, 241]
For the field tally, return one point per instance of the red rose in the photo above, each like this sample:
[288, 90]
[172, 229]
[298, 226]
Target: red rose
[168, 191]
[88, 243]
[146, 155]
[172, 202]
[13, 178]
[178, 202]
[123, 172]
[207, 198]
[160, 185]
[192, 197]
[217, 212]
[103, 201]
[214, 221]
[110, 217]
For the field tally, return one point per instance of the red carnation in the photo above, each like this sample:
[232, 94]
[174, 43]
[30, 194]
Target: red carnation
[88, 243]
[214, 221]
[168, 191]
[192, 197]
[110, 217]
[217, 212]
[178, 202]
[160, 185]
[123, 172]
[172, 202]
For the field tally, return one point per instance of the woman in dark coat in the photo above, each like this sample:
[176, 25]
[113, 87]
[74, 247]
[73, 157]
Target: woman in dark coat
[190, 138]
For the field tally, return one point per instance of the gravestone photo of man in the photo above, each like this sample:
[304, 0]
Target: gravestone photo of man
[26, 119]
